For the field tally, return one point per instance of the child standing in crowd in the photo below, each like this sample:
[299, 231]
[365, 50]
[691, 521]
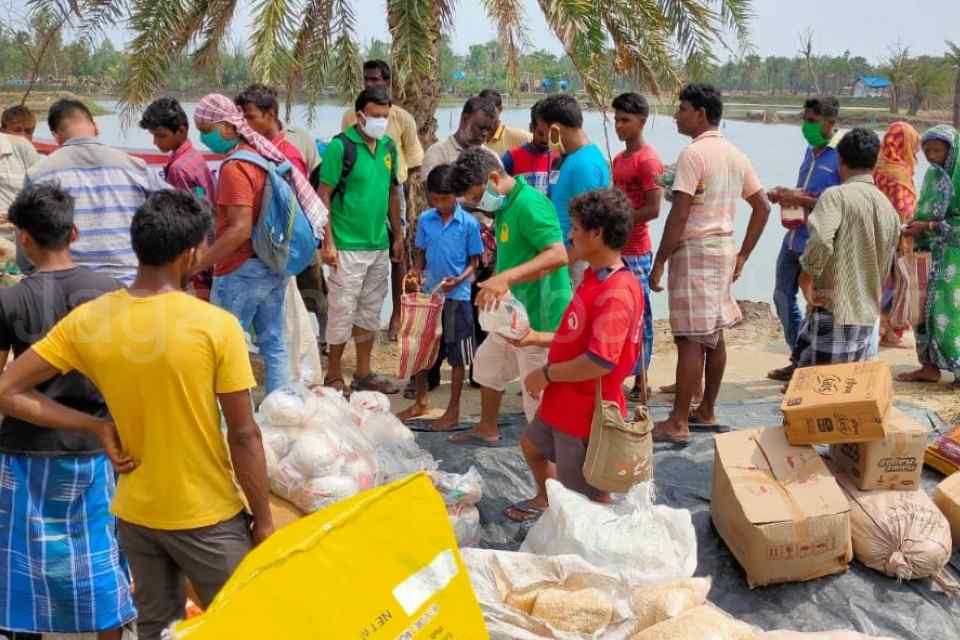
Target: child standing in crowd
[533, 159]
[448, 253]
[635, 172]
[186, 170]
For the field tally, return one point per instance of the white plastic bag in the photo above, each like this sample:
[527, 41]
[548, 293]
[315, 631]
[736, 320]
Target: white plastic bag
[646, 543]
[386, 429]
[465, 519]
[509, 319]
[466, 488]
[277, 440]
[290, 406]
[370, 401]
[399, 461]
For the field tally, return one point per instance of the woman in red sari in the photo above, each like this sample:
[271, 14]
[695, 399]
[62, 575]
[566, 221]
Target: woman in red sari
[894, 177]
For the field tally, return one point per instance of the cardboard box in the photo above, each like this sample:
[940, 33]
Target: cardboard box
[947, 497]
[778, 508]
[944, 453]
[892, 463]
[838, 403]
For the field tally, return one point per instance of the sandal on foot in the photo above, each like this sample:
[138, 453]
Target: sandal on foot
[470, 438]
[337, 384]
[531, 512]
[698, 425]
[782, 374]
[659, 435]
[375, 382]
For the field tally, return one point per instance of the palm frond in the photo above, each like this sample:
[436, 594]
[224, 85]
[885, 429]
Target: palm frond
[347, 74]
[508, 15]
[98, 15]
[154, 22]
[415, 31]
[953, 54]
[310, 58]
[271, 40]
[212, 25]
[694, 25]
[575, 22]
[736, 15]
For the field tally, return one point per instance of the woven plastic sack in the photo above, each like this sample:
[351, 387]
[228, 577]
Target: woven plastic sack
[900, 533]
[910, 275]
[646, 543]
[421, 327]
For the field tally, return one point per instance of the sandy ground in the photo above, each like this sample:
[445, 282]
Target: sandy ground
[753, 348]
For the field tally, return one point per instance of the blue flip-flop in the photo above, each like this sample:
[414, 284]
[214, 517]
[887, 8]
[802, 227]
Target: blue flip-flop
[472, 439]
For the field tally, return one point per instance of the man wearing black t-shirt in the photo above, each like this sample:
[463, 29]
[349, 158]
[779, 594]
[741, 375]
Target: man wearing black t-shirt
[56, 486]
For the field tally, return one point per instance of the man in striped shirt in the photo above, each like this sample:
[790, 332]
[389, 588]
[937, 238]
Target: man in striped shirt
[107, 185]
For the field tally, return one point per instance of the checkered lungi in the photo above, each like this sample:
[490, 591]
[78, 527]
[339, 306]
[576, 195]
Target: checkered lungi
[699, 285]
[61, 569]
[821, 341]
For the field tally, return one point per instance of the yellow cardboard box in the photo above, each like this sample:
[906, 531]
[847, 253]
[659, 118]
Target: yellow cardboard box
[947, 497]
[778, 508]
[838, 403]
[895, 462]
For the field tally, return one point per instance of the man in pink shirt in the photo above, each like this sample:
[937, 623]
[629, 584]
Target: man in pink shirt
[186, 170]
[261, 111]
[711, 176]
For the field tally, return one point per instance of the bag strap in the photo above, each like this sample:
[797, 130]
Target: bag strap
[346, 166]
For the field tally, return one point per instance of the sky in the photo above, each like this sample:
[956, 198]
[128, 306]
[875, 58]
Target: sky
[865, 27]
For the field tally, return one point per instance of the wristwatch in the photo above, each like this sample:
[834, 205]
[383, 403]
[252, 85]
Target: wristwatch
[546, 372]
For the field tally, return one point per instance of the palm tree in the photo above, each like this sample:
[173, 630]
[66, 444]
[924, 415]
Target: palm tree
[307, 45]
[953, 59]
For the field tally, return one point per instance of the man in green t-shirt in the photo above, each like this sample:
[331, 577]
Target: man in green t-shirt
[531, 264]
[356, 244]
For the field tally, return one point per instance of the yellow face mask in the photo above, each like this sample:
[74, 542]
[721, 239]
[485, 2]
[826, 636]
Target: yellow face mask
[555, 140]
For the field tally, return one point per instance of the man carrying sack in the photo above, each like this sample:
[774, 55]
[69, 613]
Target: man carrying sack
[597, 343]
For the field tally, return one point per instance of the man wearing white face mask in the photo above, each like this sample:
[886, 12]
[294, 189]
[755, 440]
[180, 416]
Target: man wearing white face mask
[358, 180]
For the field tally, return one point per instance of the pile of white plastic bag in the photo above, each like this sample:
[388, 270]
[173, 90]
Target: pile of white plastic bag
[321, 448]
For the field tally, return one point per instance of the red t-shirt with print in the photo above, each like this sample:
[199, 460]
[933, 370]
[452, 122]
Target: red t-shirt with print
[604, 320]
[635, 174]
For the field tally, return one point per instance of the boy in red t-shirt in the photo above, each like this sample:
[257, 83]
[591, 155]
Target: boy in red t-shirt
[597, 341]
[635, 172]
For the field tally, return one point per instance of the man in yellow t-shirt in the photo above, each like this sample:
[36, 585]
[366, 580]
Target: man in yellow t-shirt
[165, 362]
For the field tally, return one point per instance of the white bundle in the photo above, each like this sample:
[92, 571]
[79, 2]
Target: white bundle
[386, 429]
[370, 402]
[272, 461]
[277, 440]
[509, 319]
[646, 543]
[399, 461]
[466, 488]
[289, 406]
[465, 520]
[313, 454]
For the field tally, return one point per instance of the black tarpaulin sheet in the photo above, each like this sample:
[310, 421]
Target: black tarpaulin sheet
[860, 599]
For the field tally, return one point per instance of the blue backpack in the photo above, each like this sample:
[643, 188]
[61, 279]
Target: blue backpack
[283, 238]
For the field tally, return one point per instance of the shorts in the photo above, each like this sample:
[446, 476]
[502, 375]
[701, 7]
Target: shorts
[498, 363]
[356, 290]
[567, 452]
[458, 343]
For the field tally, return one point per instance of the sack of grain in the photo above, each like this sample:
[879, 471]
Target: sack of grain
[646, 543]
[289, 406]
[530, 597]
[705, 622]
[900, 533]
[655, 604]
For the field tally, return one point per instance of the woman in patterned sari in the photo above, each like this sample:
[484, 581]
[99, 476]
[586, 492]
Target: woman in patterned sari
[894, 177]
[936, 228]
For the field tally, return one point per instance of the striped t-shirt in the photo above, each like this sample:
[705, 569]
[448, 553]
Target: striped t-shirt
[107, 186]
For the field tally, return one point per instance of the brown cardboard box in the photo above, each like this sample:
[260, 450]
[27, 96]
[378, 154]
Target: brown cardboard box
[778, 508]
[943, 454]
[892, 463]
[838, 403]
[947, 497]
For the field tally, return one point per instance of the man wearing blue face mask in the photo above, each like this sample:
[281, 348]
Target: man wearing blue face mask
[358, 183]
[531, 265]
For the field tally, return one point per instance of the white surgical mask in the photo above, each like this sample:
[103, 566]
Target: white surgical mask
[376, 128]
[491, 202]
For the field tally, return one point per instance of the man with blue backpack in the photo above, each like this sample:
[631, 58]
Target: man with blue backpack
[268, 221]
[358, 183]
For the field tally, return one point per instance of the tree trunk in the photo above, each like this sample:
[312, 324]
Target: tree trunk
[420, 94]
[894, 101]
[956, 101]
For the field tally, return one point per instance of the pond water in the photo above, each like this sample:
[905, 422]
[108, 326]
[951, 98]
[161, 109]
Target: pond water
[775, 151]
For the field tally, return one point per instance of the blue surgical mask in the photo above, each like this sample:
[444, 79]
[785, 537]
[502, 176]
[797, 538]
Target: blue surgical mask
[491, 202]
[215, 141]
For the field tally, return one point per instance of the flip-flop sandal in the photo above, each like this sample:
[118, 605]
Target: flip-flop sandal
[699, 426]
[337, 384]
[410, 391]
[662, 436]
[470, 439]
[525, 508]
[422, 425]
[375, 382]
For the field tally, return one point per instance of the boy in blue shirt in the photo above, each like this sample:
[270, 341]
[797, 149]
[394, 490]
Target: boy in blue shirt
[448, 253]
